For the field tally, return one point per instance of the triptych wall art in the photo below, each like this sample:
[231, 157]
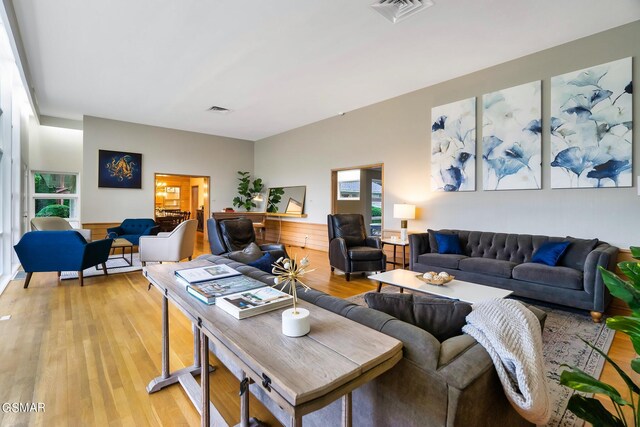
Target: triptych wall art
[590, 134]
[511, 138]
[591, 126]
[453, 146]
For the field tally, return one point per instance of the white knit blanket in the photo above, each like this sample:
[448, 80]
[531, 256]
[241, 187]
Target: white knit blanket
[511, 335]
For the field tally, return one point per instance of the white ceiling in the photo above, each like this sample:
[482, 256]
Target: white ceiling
[278, 64]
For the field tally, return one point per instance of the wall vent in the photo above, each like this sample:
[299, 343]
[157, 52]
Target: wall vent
[397, 10]
[219, 110]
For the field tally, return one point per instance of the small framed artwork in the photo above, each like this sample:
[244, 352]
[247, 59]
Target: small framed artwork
[119, 169]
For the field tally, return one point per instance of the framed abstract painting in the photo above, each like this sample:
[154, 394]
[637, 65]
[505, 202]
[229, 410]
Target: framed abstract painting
[453, 146]
[591, 127]
[512, 138]
[119, 169]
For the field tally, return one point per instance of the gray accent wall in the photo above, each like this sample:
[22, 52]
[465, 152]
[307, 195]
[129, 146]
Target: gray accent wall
[397, 133]
[163, 151]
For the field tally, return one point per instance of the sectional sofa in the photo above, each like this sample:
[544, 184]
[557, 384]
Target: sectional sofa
[503, 260]
[449, 383]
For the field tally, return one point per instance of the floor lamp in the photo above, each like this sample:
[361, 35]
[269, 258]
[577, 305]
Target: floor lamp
[404, 212]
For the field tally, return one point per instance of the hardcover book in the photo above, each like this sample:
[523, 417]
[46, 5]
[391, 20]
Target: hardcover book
[250, 303]
[206, 274]
[209, 291]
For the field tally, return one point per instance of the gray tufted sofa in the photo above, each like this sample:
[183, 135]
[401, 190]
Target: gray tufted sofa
[503, 260]
[436, 384]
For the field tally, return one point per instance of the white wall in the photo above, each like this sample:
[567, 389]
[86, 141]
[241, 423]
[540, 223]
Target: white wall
[397, 133]
[163, 151]
[54, 149]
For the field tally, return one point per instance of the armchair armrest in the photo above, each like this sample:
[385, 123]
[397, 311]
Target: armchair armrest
[373, 242]
[114, 232]
[418, 245]
[96, 252]
[151, 231]
[338, 256]
[86, 233]
[277, 249]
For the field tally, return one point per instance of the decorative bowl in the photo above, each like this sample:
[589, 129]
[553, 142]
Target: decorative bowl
[437, 280]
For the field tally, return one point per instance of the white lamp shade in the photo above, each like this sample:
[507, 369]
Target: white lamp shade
[404, 211]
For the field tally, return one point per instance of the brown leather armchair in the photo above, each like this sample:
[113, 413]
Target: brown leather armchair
[350, 250]
[235, 234]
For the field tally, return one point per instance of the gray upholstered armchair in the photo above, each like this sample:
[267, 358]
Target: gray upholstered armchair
[350, 250]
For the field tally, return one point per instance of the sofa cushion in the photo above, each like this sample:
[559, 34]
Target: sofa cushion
[441, 260]
[492, 267]
[263, 263]
[364, 253]
[549, 253]
[249, 254]
[448, 244]
[443, 318]
[576, 253]
[561, 277]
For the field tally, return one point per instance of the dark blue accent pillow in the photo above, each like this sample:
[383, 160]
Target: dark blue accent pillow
[448, 244]
[550, 253]
[263, 263]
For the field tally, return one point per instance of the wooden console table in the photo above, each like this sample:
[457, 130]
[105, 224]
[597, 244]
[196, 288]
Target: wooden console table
[301, 375]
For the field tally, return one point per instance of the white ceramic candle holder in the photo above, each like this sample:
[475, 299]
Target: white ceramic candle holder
[295, 324]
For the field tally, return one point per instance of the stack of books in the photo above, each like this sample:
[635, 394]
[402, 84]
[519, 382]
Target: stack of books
[238, 295]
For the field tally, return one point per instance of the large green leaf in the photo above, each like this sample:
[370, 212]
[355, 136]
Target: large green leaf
[622, 289]
[635, 252]
[635, 364]
[629, 325]
[581, 381]
[631, 269]
[591, 410]
[623, 374]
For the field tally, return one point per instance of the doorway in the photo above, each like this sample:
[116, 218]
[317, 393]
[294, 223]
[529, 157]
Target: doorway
[181, 197]
[360, 189]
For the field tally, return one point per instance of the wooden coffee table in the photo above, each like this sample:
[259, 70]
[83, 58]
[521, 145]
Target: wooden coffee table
[456, 289]
[123, 244]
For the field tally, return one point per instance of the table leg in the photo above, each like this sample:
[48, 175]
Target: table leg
[346, 410]
[204, 379]
[404, 262]
[379, 286]
[165, 337]
[244, 404]
[394, 256]
[196, 346]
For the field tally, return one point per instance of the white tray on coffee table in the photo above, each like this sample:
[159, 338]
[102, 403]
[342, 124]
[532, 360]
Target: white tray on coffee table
[456, 289]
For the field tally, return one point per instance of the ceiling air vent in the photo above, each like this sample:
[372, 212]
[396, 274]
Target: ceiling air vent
[219, 110]
[397, 10]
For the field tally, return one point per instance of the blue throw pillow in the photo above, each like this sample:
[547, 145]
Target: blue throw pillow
[448, 244]
[550, 253]
[263, 263]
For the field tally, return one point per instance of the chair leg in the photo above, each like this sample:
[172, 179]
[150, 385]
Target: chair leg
[81, 277]
[333, 269]
[190, 257]
[27, 280]
[348, 276]
[104, 268]
[59, 274]
[144, 263]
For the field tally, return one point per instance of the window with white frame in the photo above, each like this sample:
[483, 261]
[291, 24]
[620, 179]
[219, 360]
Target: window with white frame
[349, 184]
[56, 194]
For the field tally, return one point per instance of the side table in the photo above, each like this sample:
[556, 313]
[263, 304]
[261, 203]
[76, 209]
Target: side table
[397, 243]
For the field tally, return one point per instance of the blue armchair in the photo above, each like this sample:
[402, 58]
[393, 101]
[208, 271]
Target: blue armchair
[40, 251]
[132, 228]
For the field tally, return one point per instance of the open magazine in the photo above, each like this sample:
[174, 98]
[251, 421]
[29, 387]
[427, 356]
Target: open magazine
[205, 274]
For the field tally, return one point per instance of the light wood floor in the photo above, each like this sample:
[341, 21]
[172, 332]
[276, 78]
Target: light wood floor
[88, 353]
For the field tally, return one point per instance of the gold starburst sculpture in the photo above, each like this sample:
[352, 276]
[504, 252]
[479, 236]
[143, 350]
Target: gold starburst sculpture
[288, 271]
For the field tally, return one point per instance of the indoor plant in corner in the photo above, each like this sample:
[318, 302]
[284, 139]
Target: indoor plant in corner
[589, 408]
[247, 190]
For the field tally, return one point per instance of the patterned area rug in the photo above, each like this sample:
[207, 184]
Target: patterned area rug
[561, 346]
[115, 264]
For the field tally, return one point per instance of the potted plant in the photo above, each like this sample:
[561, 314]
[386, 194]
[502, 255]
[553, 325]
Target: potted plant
[247, 190]
[275, 196]
[589, 408]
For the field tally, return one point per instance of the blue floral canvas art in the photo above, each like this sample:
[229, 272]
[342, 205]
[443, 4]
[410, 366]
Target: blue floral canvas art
[591, 127]
[453, 146]
[511, 138]
[119, 169]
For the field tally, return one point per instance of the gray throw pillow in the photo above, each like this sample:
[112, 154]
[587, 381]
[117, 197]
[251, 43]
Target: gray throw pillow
[441, 317]
[576, 253]
[249, 254]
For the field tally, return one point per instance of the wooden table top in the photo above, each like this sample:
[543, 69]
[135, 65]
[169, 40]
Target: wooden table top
[121, 243]
[336, 352]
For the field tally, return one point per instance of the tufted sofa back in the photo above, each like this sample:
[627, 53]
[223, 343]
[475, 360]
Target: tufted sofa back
[516, 248]
[136, 225]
